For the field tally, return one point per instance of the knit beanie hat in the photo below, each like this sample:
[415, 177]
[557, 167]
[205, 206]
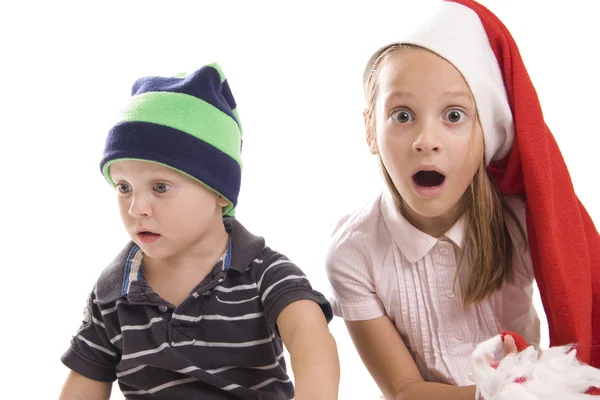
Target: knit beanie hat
[525, 160]
[188, 123]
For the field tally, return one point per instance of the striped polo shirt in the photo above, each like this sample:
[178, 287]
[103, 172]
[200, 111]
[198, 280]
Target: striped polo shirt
[221, 342]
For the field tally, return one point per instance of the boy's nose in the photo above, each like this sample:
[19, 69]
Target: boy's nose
[140, 208]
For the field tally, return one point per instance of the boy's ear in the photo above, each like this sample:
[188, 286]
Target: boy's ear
[221, 201]
[369, 132]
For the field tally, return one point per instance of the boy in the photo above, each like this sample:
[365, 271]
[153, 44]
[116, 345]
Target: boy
[195, 306]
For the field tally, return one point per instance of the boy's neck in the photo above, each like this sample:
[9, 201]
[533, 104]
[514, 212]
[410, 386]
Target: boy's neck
[201, 256]
[175, 277]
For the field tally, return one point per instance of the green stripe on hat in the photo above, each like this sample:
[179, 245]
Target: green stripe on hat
[188, 114]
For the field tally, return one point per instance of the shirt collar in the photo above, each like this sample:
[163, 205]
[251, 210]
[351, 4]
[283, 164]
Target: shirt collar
[115, 281]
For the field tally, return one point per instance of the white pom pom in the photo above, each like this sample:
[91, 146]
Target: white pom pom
[552, 374]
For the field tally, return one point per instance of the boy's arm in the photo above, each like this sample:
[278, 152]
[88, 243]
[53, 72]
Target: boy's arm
[92, 356]
[303, 328]
[299, 315]
[78, 387]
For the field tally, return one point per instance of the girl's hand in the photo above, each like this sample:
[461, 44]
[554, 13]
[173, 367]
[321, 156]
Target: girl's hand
[509, 345]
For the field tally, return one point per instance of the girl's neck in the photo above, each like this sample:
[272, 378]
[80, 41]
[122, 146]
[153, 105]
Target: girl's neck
[433, 226]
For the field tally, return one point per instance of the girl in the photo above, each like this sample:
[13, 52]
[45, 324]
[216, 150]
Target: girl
[478, 204]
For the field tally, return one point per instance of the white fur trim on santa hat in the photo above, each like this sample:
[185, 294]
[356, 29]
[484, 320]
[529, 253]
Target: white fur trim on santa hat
[532, 374]
[456, 33]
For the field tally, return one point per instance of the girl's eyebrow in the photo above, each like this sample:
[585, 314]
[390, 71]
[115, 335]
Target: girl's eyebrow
[458, 93]
[400, 94]
[449, 93]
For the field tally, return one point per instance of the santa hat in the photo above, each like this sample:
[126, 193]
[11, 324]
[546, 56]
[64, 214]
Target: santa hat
[525, 160]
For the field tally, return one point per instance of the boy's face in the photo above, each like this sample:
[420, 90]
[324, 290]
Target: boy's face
[165, 212]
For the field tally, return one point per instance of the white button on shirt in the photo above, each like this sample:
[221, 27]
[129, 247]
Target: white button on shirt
[444, 250]
[378, 263]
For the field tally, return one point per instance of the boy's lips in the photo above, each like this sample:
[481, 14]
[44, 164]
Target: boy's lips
[147, 236]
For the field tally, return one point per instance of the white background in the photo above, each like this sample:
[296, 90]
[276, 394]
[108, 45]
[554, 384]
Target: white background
[295, 70]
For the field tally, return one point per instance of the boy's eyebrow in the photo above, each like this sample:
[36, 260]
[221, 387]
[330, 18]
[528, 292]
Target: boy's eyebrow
[116, 177]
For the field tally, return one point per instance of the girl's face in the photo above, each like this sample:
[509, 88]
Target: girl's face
[427, 134]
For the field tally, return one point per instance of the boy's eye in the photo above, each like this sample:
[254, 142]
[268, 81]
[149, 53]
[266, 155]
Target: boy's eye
[403, 116]
[123, 188]
[161, 187]
[455, 116]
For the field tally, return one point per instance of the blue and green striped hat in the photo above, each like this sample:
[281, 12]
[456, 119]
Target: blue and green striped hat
[188, 123]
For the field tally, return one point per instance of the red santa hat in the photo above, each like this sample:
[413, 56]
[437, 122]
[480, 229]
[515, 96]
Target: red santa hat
[524, 159]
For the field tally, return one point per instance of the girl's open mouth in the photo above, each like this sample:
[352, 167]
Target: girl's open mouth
[428, 183]
[428, 178]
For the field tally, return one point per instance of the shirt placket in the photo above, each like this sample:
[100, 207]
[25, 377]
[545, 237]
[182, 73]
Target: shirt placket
[183, 331]
[455, 331]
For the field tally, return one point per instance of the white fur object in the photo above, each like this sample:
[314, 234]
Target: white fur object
[551, 374]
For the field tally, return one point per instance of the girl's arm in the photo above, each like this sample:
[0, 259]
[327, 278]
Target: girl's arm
[78, 387]
[389, 362]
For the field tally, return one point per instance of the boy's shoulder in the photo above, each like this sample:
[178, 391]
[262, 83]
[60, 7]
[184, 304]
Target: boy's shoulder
[248, 251]
[258, 267]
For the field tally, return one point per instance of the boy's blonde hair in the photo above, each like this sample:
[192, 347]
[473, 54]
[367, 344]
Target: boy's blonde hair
[488, 244]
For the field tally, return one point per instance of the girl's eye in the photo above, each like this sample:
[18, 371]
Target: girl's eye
[161, 187]
[403, 116]
[123, 188]
[455, 116]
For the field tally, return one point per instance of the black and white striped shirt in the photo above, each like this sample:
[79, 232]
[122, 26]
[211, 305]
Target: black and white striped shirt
[221, 342]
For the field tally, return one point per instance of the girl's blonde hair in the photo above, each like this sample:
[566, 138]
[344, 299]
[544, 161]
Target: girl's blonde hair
[487, 239]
